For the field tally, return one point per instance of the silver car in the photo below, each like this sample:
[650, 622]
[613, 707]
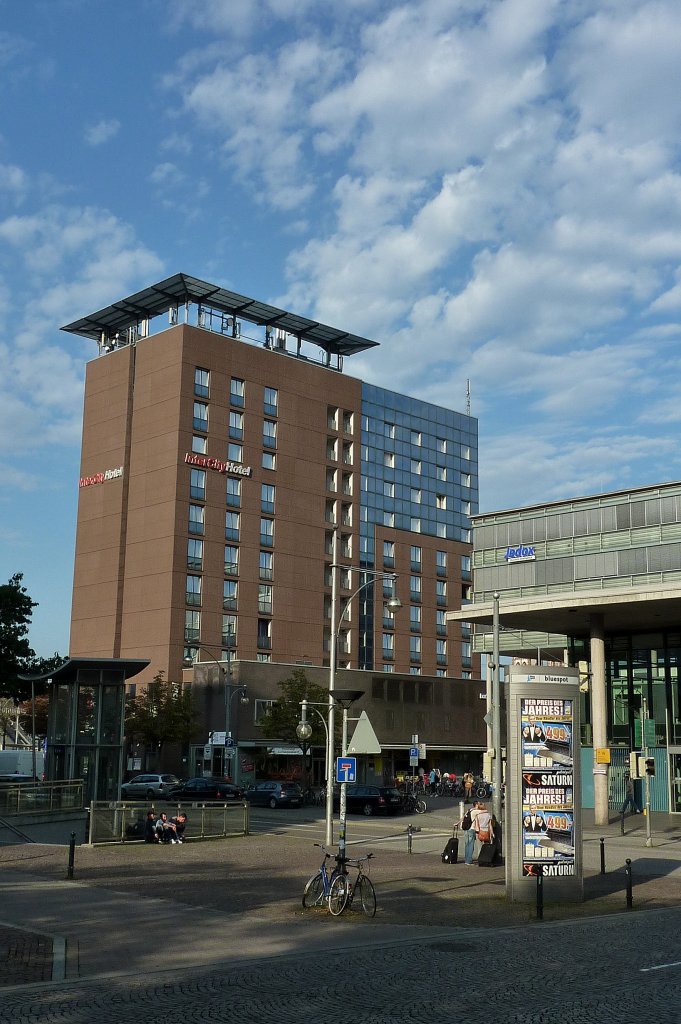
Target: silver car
[148, 786]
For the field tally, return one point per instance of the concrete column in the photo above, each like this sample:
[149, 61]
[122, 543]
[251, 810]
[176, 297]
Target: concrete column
[599, 717]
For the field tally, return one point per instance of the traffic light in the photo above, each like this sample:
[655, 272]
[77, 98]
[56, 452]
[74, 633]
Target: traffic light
[650, 766]
[633, 765]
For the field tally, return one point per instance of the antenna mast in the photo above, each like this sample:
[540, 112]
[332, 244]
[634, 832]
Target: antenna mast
[468, 396]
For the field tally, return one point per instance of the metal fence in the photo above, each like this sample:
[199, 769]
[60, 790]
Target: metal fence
[123, 822]
[40, 797]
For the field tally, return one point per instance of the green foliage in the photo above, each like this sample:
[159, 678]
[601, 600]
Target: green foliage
[282, 718]
[16, 654]
[162, 713]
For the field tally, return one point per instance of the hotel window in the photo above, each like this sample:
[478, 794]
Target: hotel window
[414, 671]
[330, 512]
[347, 453]
[269, 434]
[441, 651]
[267, 494]
[264, 599]
[263, 657]
[347, 422]
[388, 617]
[389, 553]
[265, 634]
[415, 557]
[440, 623]
[465, 479]
[232, 524]
[389, 460]
[415, 588]
[415, 618]
[440, 501]
[197, 484]
[388, 489]
[271, 402]
[441, 445]
[347, 483]
[346, 545]
[441, 563]
[236, 425]
[389, 668]
[440, 672]
[229, 631]
[260, 709]
[231, 560]
[234, 491]
[332, 449]
[192, 626]
[415, 525]
[193, 590]
[415, 466]
[415, 648]
[201, 382]
[331, 479]
[441, 530]
[465, 452]
[267, 532]
[441, 593]
[266, 565]
[269, 460]
[346, 514]
[465, 567]
[237, 391]
[466, 652]
[388, 646]
[196, 513]
[332, 417]
[389, 430]
[194, 554]
[415, 495]
[415, 437]
[389, 519]
[199, 444]
[235, 452]
[441, 473]
[344, 578]
[229, 595]
[200, 420]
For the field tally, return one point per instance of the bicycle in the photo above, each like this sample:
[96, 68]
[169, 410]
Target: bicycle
[318, 887]
[343, 890]
[412, 804]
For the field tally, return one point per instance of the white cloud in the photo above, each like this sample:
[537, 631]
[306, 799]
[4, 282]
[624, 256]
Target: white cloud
[103, 131]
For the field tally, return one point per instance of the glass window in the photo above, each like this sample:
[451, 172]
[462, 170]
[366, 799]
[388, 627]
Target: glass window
[229, 623]
[197, 484]
[192, 626]
[271, 401]
[389, 430]
[441, 622]
[330, 512]
[265, 599]
[441, 473]
[465, 565]
[388, 646]
[415, 525]
[235, 452]
[389, 460]
[415, 648]
[234, 491]
[415, 556]
[269, 434]
[196, 513]
[265, 634]
[440, 501]
[332, 449]
[388, 518]
[267, 494]
[193, 590]
[441, 648]
[199, 444]
[269, 460]
[441, 562]
[347, 453]
[346, 514]
[232, 524]
[415, 618]
[415, 465]
[266, 532]
[415, 436]
[415, 588]
[200, 420]
[237, 392]
[231, 560]
[266, 565]
[194, 554]
[389, 553]
[388, 489]
[441, 445]
[229, 595]
[236, 425]
[465, 479]
[347, 422]
[331, 480]
[332, 417]
[201, 382]
[441, 592]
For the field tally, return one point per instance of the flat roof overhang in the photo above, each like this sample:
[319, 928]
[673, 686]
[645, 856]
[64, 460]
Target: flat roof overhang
[631, 610]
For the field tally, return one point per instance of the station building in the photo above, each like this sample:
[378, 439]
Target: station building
[224, 453]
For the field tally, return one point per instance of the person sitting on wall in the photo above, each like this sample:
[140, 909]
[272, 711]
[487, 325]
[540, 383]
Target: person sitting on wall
[150, 834]
[164, 830]
[179, 823]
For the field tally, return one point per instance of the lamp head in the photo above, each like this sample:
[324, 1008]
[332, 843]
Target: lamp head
[303, 730]
[393, 603]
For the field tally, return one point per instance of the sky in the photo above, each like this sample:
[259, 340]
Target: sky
[489, 188]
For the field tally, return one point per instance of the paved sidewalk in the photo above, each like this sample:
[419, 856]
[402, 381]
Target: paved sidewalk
[134, 908]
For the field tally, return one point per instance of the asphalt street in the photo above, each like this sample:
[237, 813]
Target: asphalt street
[215, 931]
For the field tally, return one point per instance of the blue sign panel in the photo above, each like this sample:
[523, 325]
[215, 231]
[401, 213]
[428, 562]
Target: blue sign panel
[346, 769]
[414, 752]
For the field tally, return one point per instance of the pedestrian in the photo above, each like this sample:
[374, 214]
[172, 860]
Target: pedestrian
[468, 781]
[483, 825]
[179, 823]
[630, 796]
[468, 824]
[150, 835]
[432, 779]
[164, 829]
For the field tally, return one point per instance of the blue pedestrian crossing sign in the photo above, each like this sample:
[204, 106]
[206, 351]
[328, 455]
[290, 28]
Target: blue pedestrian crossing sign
[346, 769]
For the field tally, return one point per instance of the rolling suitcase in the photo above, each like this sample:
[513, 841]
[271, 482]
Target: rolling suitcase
[450, 854]
[487, 857]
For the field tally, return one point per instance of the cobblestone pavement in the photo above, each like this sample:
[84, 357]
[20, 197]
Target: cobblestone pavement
[24, 956]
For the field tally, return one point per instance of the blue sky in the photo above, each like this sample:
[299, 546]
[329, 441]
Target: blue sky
[490, 188]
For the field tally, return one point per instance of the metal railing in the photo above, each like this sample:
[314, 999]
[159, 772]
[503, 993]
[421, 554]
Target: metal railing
[40, 797]
[123, 821]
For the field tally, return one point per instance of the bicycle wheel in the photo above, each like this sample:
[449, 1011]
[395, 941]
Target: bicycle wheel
[338, 895]
[367, 895]
[421, 806]
[314, 892]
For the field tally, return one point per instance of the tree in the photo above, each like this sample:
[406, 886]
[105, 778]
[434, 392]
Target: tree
[16, 655]
[163, 713]
[281, 720]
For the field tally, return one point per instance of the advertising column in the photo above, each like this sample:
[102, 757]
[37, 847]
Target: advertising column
[543, 814]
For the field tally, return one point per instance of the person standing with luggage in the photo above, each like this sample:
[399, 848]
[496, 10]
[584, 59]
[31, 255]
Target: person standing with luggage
[468, 824]
[483, 825]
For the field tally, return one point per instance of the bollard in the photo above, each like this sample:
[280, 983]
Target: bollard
[411, 829]
[630, 897]
[540, 893]
[622, 823]
[602, 855]
[72, 855]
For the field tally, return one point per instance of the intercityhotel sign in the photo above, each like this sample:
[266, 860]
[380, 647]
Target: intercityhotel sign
[231, 468]
[101, 478]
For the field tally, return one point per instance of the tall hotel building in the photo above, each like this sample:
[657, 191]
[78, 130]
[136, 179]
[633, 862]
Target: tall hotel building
[223, 445]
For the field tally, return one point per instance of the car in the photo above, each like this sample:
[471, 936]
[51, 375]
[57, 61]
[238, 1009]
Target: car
[275, 794]
[205, 788]
[147, 786]
[371, 800]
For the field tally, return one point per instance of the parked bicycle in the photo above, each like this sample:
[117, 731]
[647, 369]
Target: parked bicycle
[412, 804]
[318, 887]
[344, 890]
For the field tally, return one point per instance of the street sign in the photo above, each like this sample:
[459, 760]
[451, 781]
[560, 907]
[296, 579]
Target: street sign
[414, 752]
[364, 739]
[207, 752]
[229, 752]
[229, 742]
[422, 751]
[346, 769]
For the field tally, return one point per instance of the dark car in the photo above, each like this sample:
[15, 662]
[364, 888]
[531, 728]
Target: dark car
[275, 794]
[371, 800]
[202, 788]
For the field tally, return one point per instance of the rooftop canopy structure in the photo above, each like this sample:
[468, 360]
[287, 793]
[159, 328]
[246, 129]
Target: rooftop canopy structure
[127, 320]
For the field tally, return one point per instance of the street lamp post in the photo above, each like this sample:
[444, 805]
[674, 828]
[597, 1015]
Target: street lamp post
[496, 710]
[394, 603]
